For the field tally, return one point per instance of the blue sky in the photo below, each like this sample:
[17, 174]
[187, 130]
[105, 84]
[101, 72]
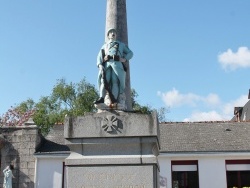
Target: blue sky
[191, 56]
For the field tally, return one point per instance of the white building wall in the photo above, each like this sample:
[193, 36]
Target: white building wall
[165, 172]
[211, 167]
[212, 172]
[49, 172]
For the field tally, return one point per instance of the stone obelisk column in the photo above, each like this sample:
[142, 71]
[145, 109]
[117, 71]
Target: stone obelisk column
[116, 17]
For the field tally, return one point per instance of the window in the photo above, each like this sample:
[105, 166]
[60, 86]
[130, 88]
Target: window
[238, 173]
[185, 174]
[64, 182]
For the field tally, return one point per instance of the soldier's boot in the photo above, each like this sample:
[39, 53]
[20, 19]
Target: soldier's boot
[99, 100]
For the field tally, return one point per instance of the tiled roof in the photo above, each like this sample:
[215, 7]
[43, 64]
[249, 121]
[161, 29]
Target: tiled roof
[179, 137]
[56, 134]
[54, 141]
[205, 137]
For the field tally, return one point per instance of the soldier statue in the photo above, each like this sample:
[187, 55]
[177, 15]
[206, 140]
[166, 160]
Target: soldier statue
[8, 175]
[111, 61]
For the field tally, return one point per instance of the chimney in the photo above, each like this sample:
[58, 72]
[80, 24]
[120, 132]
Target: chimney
[249, 94]
[237, 113]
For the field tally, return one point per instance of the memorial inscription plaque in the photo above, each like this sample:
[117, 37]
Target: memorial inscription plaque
[111, 177]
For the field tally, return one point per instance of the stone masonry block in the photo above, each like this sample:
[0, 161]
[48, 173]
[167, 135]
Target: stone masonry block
[32, 151]
[33, 138]
[25, 171]
[31, 165]
[19, 138]
[30, 131]
[24, 145]
[24, 165]
[24, 179]
[27, 158]
[24, 151]
[18, 132]
[31, 172]
[32, 144]
[14, 139]
[15, 145]
[26, 138]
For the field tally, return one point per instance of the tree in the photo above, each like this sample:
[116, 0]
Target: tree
[47, 113]
[75, 99]
[72, 99]
[15, 117]
[25, 106]
[162, 114]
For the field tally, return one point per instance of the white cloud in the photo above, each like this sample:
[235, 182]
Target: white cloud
[231, 61]
[222, 113]
[205, 116]
[175, 99]
[228, 108]
[212, 99]
[208, 108]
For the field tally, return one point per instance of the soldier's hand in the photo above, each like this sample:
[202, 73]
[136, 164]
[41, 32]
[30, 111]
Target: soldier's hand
[106, 58]
[123, 60]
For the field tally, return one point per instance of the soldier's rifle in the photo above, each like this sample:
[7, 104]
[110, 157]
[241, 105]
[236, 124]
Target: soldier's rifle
[106, 84]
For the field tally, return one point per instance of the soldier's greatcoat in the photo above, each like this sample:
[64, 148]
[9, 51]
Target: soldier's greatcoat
[7, 178]
[115, 73]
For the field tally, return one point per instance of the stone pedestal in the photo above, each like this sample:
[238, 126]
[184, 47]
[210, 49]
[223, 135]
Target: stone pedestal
[112, 150]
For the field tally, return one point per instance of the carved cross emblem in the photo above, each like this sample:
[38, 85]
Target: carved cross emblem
[110, 123]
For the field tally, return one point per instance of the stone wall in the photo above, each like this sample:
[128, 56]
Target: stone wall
[18, 144]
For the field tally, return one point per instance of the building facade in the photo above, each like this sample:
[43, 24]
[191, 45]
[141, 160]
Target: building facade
[18, 145]
[192, 154]
[205, 154]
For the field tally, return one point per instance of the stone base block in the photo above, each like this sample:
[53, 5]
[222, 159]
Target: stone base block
[112, 176]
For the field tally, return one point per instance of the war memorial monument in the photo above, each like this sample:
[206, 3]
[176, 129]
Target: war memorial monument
[115, 147]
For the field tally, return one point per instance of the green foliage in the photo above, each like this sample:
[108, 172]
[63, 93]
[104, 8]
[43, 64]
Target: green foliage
[25, 106]
[48, 113]
[73, 99]
[162, 114]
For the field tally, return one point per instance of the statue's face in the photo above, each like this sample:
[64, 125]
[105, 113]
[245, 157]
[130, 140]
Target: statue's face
[112, 35]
